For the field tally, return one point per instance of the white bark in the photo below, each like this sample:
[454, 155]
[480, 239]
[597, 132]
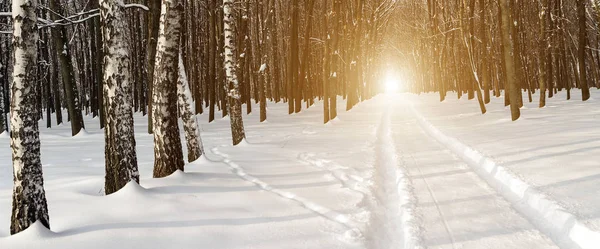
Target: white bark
[120, 153]
[168, 156]
[235, 105]
[29, 198]
[190, 124]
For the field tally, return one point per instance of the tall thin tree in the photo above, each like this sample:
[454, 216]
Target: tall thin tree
[233, 95]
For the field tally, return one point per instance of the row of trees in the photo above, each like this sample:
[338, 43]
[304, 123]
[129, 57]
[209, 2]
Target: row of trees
[481, 47]
[171, 59]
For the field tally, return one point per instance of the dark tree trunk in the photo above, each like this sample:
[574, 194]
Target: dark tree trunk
[61, 48]
[153, 26]
[581, 52]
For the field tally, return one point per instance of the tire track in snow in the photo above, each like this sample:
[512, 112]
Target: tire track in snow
[352, 233]
[393, 220]
[544, 213]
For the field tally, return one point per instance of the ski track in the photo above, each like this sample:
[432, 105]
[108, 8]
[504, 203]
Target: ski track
[437, 205]
[350, 181]
[545, 214]
[353, 232]
[394, 223]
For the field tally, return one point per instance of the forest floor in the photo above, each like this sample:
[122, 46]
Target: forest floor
[397, 171]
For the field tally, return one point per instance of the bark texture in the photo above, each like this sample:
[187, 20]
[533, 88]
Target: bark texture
[190, 125]
[120, 154]
[168, 156]
[61, 48]
[511, 77]
[235, 105]
[29, 198]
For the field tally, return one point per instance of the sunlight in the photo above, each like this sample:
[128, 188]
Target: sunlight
[392, 83]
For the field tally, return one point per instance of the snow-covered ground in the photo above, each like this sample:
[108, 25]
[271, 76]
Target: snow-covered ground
[388, 174]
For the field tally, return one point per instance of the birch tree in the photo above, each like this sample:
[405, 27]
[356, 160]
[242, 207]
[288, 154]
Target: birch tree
[120, 154]
[190, 125]
[233, 94]
[168, 156]
[29, 198]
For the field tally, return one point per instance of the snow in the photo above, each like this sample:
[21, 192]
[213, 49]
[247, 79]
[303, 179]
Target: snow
[398, 171]
[211, 205]
[262, 68]
[544, 163]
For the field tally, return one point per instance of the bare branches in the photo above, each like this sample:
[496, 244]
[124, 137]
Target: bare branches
[70, 20]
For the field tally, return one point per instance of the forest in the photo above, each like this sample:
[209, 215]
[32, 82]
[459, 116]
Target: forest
[172, 60]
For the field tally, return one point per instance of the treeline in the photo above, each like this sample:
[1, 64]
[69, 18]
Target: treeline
[318, 49]
[482, 47]
[172, 59]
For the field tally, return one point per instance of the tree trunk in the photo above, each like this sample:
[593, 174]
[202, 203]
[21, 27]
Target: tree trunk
[120, 153]
[62, 50]
[233, 94]
[29, 198]
[326, 67]
[485, 65]
[542, 48]
[190, 126]
[585, 89]
[153, 26]
[511, 80]
[168, 155]
[212, 58]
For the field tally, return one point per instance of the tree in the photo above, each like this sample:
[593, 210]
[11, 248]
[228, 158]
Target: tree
[153, 26]
[511, 79]
[120, 154]
[581, 52]
[29, 198]
[233, 94]
[293, 84]
[190, 126]
[62, 50]
[168, 155]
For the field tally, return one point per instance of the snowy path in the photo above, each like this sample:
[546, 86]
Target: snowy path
[377, 177]
[457, 208]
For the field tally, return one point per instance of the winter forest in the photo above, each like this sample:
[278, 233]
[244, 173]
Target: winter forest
[381, 124]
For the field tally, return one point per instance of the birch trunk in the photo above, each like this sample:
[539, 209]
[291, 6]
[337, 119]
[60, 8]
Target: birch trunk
[120, 153]
[190, 125]
[29, 198]
[233, 95]
[168, 156]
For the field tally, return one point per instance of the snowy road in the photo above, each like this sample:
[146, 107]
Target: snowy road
[457, 209]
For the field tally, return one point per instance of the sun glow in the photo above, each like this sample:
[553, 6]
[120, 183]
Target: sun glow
[392, 83]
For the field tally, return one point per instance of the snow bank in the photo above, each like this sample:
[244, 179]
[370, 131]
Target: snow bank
[561, 226]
